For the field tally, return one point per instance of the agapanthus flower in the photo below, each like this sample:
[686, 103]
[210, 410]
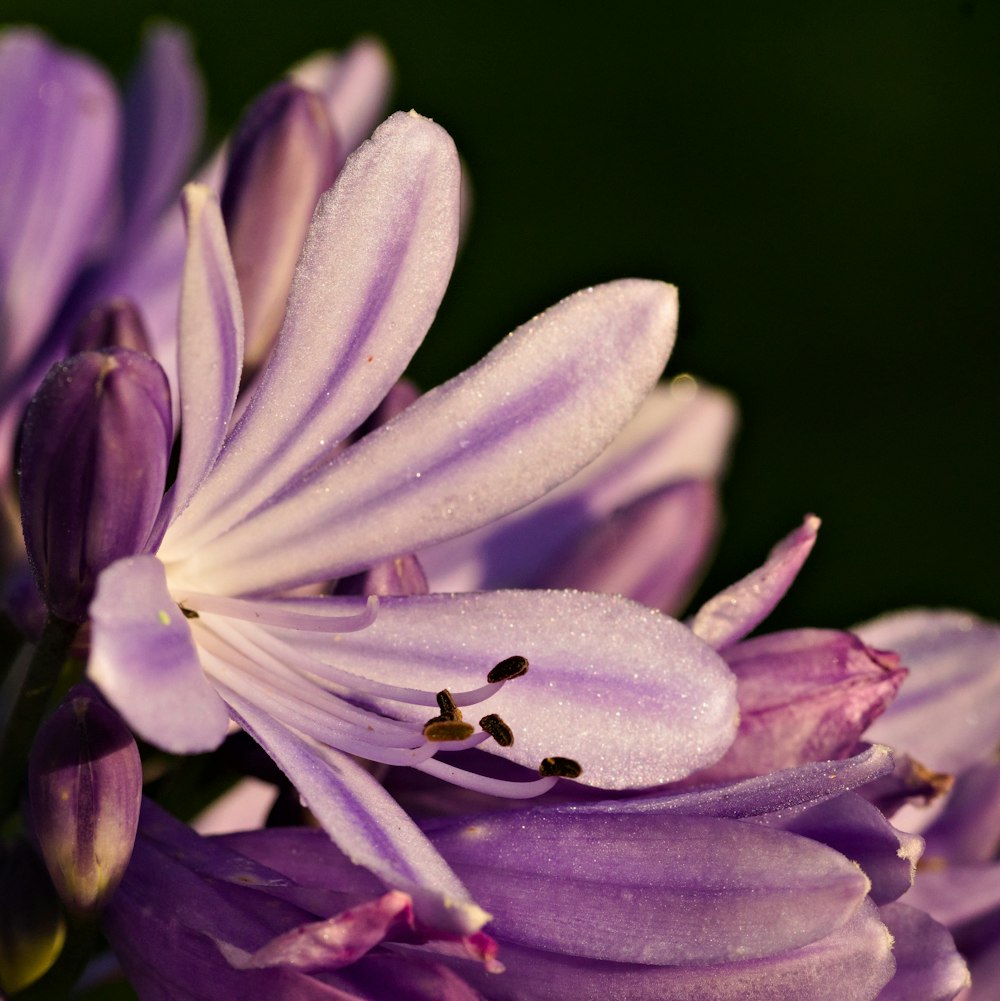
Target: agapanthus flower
[947, 720]
[201, 623]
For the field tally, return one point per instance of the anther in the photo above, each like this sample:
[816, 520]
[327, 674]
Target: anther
[563, 768]
[497, 729]
[447, 705]
[448, 729]
[189, 613]
[512, 667]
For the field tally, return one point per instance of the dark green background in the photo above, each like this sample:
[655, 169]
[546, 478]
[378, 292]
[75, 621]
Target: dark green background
[821, 181]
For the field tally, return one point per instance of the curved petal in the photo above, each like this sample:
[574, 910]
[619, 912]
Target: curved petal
[210, 352]
[650, 889]
[741, 607]
[143, 659]
[851, 964]
[364, 821]
[954, 662]
[372, 273]
[60, 122]
[680, 432]
[539, 406]
[163, 122]
[354, 85]
[627, 692]
[928, 967]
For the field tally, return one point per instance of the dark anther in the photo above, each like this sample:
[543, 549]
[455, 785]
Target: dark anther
[512, 667]
[564, 768]
[448, 729]
[189, 613]
[447, 705]
[497, 729]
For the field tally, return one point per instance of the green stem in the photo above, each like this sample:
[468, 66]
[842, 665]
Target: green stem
[29, 708]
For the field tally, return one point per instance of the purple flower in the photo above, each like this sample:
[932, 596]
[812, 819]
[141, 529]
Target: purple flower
[208, 620]
[947, 718]
[781, 886]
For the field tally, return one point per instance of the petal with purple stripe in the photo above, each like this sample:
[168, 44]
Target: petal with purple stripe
[144, 660]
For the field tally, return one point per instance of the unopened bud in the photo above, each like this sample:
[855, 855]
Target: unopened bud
[97, 440]
[85, 787]
[32, 927]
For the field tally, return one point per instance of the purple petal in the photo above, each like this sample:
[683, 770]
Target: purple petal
[651, 551]
[85, 781]
[851, 964]
[94, 460]
[543, 403]
[365, 822]
[793, 787]
[852, 826]
[734, 612]
[371, 276]
[676, 435]
[143, 659]
[650, 889]
[627, 692]
[968, 830]
[956, 894]
[210, 353]
[928, 968]
[954, 662]
[283, 157]
[804, 695]
[355, 87]
[60, 120]
[163, 123]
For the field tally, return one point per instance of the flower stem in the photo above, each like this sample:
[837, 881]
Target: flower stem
[29, 706]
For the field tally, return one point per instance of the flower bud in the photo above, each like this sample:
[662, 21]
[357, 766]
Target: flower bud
[283, 157]
[32, 927]
[85, 787]
[116, 323]
[97, 439]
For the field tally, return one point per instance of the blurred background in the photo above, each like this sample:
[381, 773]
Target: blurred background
[821, 180]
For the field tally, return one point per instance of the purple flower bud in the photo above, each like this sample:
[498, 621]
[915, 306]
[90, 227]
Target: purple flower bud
[116, 323]
[32, 928]
[97, 439]
[283, 157]
[85, 786]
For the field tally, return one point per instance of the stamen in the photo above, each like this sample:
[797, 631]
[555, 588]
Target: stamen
[447, 705]
[448, 729]
[507, 669]
[188, 613]
[497, 729]
[563, 768]
[272, 613]
[484, 784]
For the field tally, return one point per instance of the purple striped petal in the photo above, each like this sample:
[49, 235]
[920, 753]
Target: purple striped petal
[954, 662]
[282, 158]
[928, 968]
[852, 826]
[60, 122]
[851, 964]
[542, 404]
[354, 85]
[677, 434]
[627, 692]
[163, 123]
[371, 276]
[365, 822]
[210, 352]
[734, 612]
[650, 889]
[804, 695]
[143, 659]
[94, 460]
[652, 551]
